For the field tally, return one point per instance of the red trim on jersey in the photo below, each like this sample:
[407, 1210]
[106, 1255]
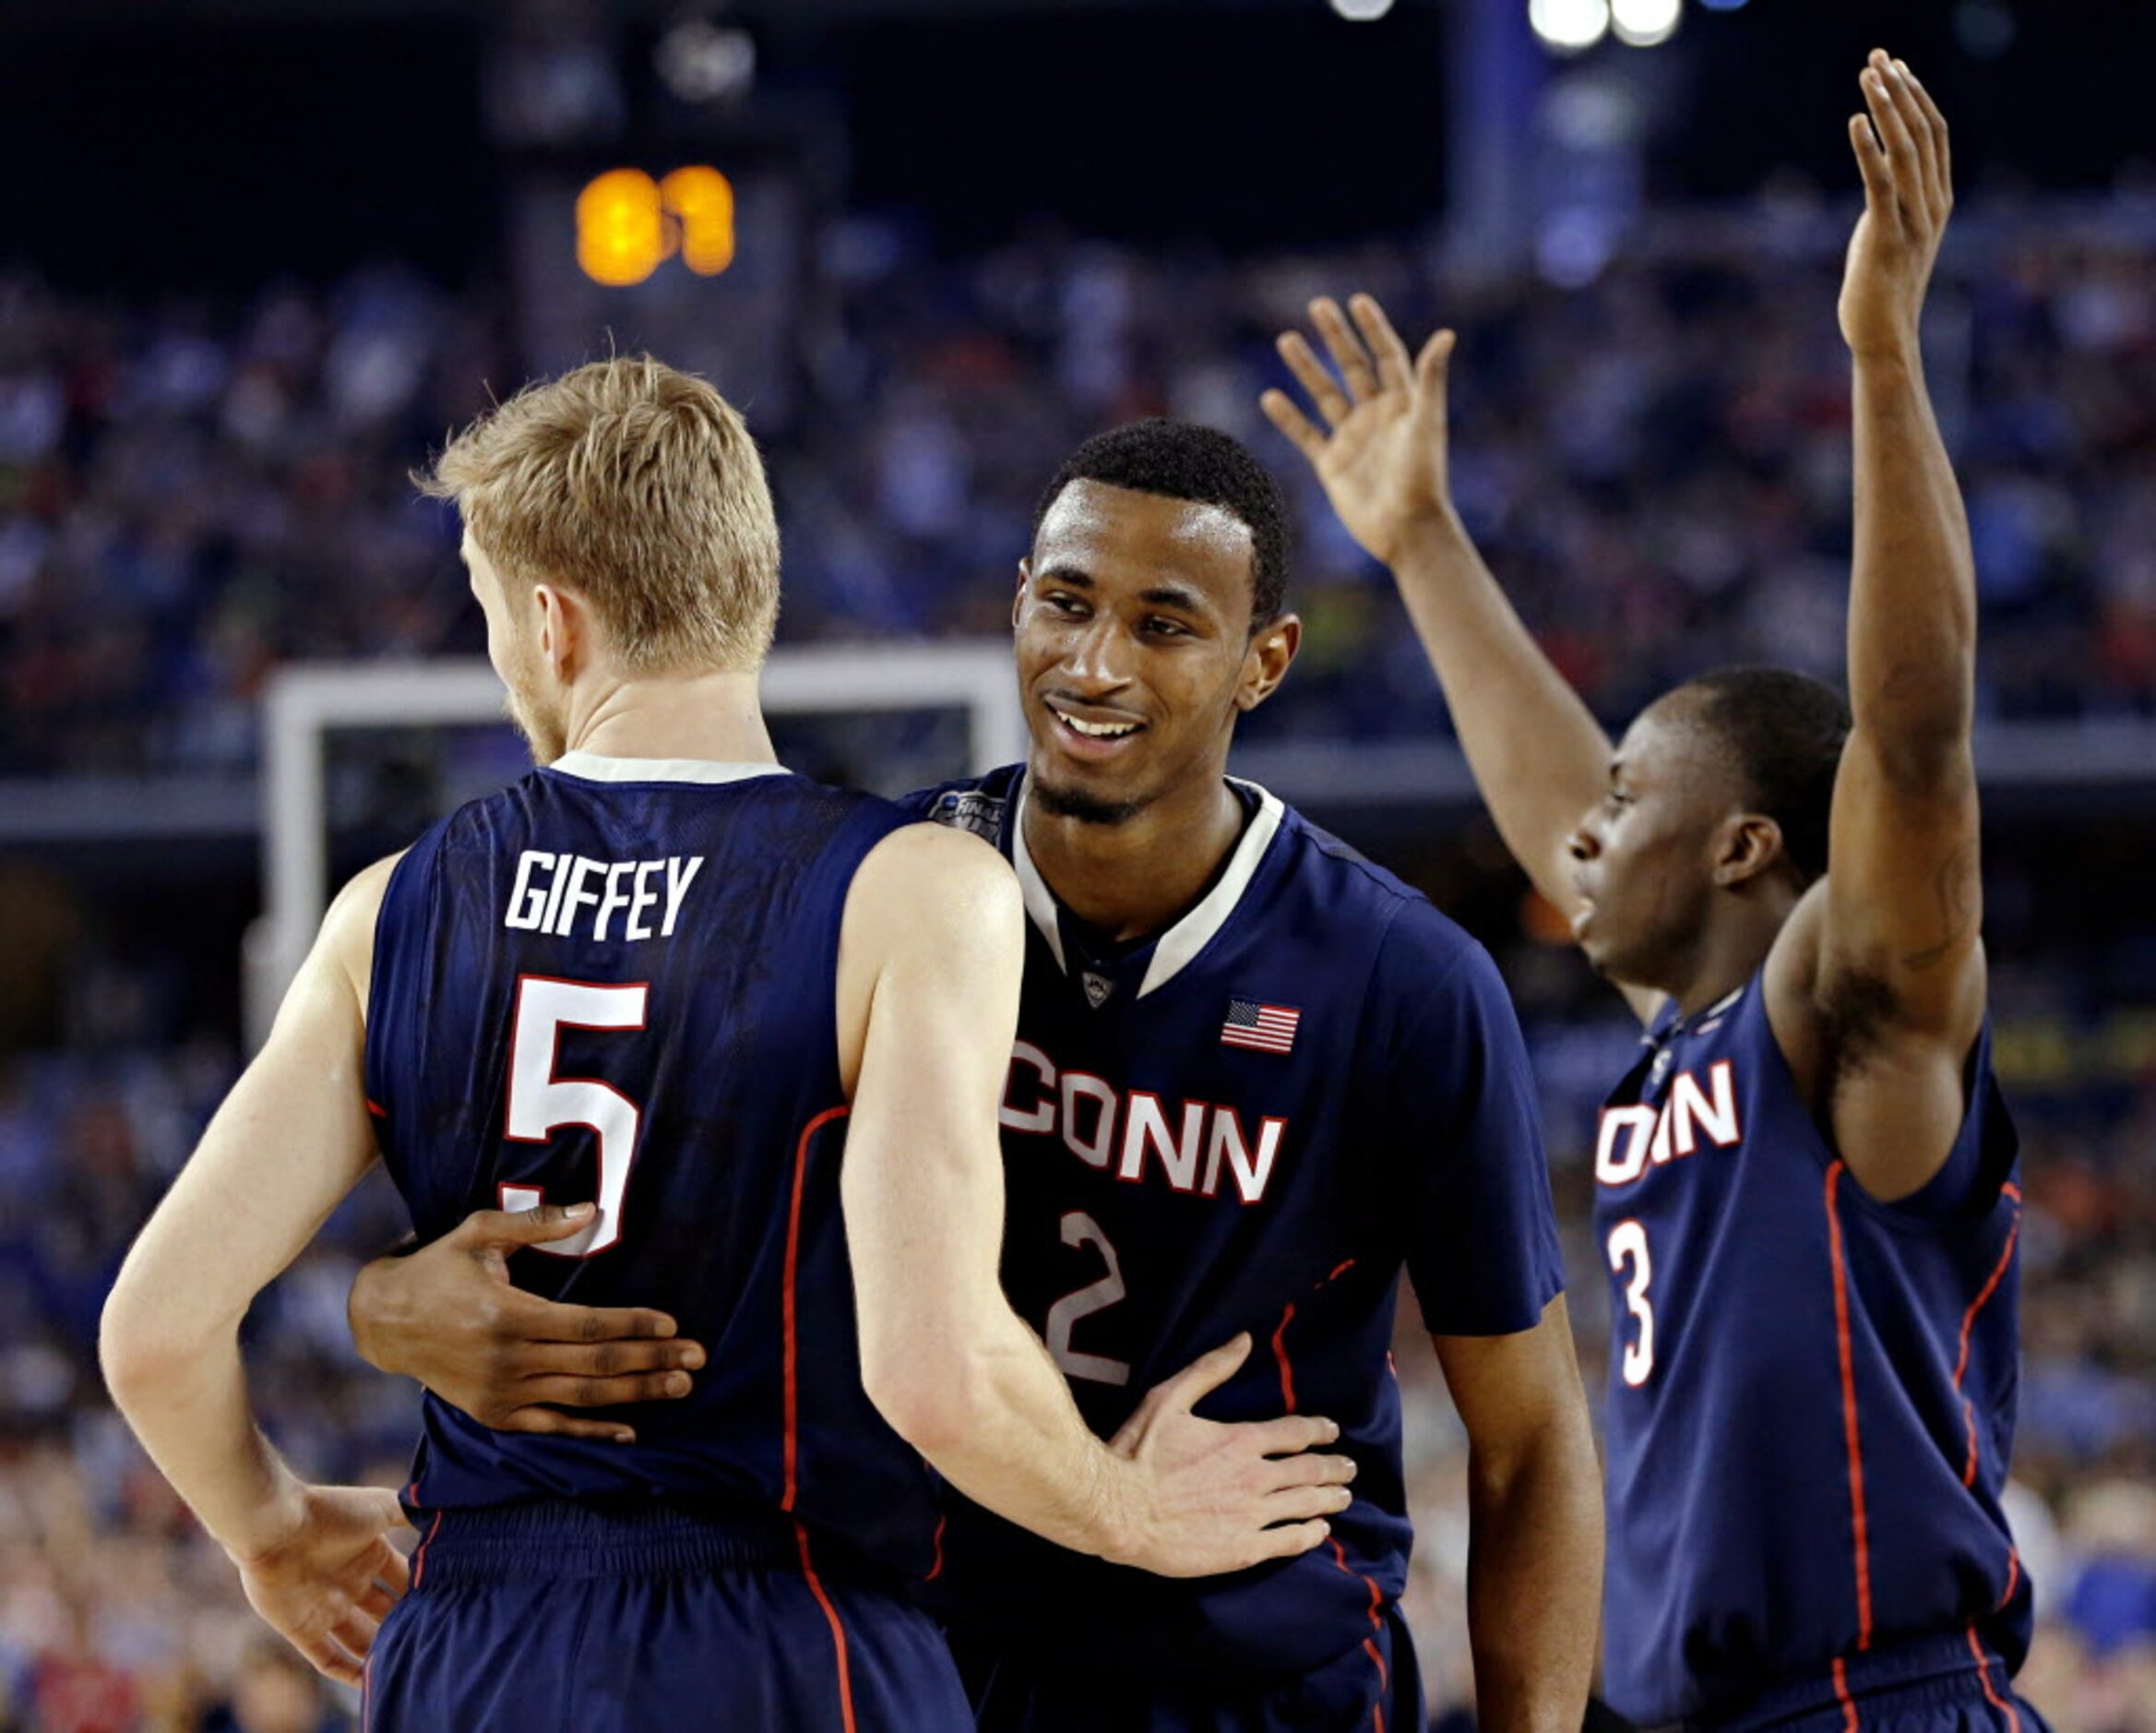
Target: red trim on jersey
[1860, 1532]
[816, 1587]
[1341, 1268]
[1340, 1559]
[793, 1485]
[936, 1570]
[376, 1108]
[2005, 1706]
[419, 1553]
[2013, 1576]
[2011, 1190]
[1279, 1352]
[1967, 1323]
[1842, 1697]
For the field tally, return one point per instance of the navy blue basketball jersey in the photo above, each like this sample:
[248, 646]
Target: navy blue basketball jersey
[1249, 1122]
[615, 981]
[1811, 1396]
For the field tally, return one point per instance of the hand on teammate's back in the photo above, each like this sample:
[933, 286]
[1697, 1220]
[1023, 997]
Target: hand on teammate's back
[1902, 151]
[329, 1580]
[1224, 1497]
[448, 1315]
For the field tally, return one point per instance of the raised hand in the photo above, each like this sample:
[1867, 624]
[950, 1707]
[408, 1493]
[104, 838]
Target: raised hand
[1902, 151]
[1222, 1496]
[449, 1316]
[329, 1579]
[1382, 458]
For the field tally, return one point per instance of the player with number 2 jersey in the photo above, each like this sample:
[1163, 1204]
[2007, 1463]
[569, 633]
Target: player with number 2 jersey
[1247, 1122]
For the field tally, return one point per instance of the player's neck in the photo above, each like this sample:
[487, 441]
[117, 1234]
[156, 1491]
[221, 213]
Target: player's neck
[715, 717]
[1132, 880]
[1731, 950]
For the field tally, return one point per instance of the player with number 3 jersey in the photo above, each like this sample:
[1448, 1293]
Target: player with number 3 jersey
[738, 1041]
[1806, 1189]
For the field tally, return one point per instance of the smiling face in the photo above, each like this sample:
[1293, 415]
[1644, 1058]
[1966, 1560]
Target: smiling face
[1134, 648]
[1651, 855]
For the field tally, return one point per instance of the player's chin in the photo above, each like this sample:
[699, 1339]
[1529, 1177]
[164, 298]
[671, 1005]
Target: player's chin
[1596, 945]
[1083, 793]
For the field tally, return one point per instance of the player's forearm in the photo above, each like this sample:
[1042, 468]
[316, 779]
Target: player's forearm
[1534, 1581]
[999, 1425]
[1913, 597]
[186, 1400]
[1538, 755]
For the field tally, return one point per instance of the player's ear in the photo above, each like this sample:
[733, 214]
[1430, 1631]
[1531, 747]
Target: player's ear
[563, 627]
[1747, 845]
[1265, 663]
[1018, 600]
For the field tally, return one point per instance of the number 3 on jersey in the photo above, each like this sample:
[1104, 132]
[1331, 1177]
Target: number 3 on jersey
[1628, 1246]
[542, 1103]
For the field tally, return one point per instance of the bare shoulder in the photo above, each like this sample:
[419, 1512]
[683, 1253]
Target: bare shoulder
[1790, 980]
[348, 929]
[932, 865]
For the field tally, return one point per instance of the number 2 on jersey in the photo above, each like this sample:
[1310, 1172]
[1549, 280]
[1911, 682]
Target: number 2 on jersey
[1080, 1229]
[542, 1103]
[1628, 1245]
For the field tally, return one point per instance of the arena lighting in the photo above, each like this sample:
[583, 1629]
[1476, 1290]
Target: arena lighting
[1644, 23]
[1723, 5]
[1569, 26]
[628, 225]
[1362, 11]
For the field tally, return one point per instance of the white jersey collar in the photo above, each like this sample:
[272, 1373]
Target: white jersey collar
[593, 766]
[1179, 945]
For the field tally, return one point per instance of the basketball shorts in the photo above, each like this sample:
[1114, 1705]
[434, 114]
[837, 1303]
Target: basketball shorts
[1937, 1684]
[544, 1615]
[1374, 1688]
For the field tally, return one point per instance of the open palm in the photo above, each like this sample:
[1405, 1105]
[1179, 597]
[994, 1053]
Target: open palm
[1903, 154]
[1382, 458]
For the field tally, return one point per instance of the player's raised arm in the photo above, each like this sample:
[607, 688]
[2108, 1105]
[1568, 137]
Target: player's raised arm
[1889, 963]
[1539, 756]
[290, 1141]
[933, 945]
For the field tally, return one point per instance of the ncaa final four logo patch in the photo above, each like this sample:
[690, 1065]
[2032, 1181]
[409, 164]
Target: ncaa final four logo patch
[1098, 987]
[1261, 1028]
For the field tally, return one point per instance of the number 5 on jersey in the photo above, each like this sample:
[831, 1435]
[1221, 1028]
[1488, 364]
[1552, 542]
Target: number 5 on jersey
[1628, 1246]
[542, 1103]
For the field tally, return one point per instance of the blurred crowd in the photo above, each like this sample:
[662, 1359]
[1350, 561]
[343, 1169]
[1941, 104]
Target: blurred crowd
[115, 1614]
[1657, 462]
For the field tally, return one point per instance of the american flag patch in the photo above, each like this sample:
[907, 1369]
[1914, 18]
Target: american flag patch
[1266, 1028]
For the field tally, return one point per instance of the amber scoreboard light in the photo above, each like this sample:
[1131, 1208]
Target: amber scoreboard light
[628, 225]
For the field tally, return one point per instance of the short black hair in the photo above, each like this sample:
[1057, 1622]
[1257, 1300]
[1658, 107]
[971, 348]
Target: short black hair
[1784, 733]
[1180, 459]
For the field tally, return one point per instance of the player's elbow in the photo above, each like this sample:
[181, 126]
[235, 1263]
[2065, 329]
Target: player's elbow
[931, 1396]
[146, 1337]
[133, 1348]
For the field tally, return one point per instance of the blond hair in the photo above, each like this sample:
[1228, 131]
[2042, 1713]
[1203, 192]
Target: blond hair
[639, 487]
